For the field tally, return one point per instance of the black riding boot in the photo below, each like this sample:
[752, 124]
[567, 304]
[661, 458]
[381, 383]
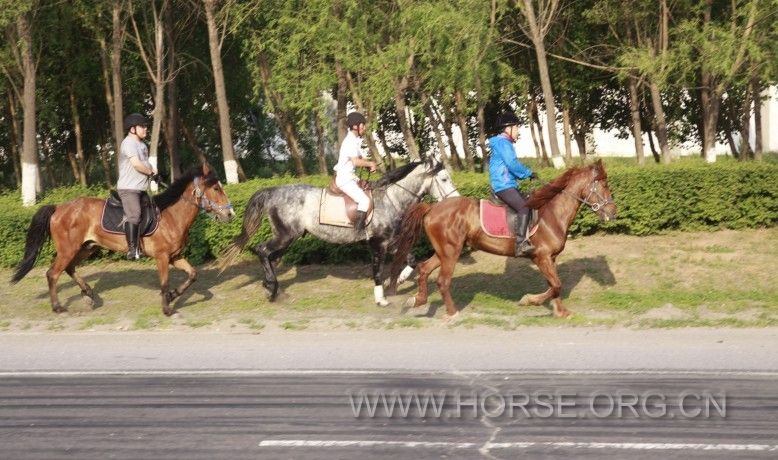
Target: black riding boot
[131, 233]
[138, 245]
[523, 245]
[359, 224]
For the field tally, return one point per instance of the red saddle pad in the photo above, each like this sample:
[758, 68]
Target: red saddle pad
[494, 220]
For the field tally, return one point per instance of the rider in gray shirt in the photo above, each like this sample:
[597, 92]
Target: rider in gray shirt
[134, 174]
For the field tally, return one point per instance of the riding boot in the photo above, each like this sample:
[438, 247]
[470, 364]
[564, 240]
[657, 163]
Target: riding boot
[359, 224]
[523, 245]
[138, 249]
[131, 233]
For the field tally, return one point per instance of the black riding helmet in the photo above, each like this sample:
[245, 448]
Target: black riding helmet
[355, 118]
[134, 119]
[506, 119]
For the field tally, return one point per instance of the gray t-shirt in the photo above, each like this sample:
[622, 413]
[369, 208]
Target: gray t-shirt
[129, 177]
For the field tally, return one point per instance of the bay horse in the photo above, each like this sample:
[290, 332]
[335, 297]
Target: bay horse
[76, 231]
[293, 211]
[456, 221]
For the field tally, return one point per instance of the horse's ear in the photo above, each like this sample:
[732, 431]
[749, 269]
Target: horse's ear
[598, 169]
[206, 169]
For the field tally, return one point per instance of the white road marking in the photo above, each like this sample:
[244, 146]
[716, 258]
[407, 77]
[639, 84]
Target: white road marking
[441, 372]
[292, 443]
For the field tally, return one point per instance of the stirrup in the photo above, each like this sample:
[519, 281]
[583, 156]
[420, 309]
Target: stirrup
[524, 248]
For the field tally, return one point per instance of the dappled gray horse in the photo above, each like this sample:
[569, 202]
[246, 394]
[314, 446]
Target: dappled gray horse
[293, 210]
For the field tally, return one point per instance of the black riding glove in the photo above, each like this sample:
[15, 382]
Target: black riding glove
[156, 178]
[533, 176]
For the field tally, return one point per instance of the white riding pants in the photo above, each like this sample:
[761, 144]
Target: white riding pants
[350, 188]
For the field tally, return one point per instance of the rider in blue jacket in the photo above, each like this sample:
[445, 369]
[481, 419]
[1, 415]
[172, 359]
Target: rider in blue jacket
[504, 169]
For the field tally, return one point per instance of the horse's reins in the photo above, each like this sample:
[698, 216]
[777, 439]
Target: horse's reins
[596, 206]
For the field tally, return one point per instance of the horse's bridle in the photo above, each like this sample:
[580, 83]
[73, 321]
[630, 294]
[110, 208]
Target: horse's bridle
[435, 180]
[596, 205]
[202, 201]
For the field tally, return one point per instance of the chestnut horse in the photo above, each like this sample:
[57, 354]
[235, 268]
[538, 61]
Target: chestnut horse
[456, 221]
[75, 228]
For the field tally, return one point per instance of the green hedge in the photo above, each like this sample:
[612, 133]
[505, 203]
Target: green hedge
[686, 195]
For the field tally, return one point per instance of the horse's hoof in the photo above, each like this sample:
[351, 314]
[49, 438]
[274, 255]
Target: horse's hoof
[450, 318]
[411, 302]
[382, 303]
[59, 309]
[524, 301]
[169, 311]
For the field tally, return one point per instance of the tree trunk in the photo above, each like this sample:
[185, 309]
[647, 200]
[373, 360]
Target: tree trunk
[342, 102]
[14, 135]
[105, 65]
[654, 153]
[456, 160]
[482, 134]
[399, 106]
[745, 128]
[756, 91]
[159, 93]
[80, 164]
[531, 115]
[566, 129]
[171, 119]
[459, 108]
[538, 39]
[214, 46]
[30, 173]
[732, 146]
[117, 42]
[580, 141]
[368, 113]
[634, 109]
[320, 156]
[385, 145]
[192, 141]
[661, 124]
[536, 118]
[435, 125]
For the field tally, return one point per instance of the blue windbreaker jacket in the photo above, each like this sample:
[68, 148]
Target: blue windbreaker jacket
[504, 167]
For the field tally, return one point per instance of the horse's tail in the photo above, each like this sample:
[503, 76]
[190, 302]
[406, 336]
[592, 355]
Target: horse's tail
[409, 233]
[251, 222]
[37, 235]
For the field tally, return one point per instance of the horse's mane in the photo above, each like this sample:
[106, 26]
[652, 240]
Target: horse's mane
[546, 193]
[396, 174]
[173, 193]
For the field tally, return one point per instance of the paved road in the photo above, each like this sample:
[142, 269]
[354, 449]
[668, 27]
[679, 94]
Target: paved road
[311, 415]
[418, 349]
[545, 392]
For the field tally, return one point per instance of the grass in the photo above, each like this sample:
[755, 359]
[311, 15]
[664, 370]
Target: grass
[706, 279]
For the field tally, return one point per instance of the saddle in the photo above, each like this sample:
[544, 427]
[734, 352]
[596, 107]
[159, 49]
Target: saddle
[337, 208]
[112, 220]
[499, 220]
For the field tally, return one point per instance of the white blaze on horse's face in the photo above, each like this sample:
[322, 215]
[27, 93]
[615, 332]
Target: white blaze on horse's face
[442, 186]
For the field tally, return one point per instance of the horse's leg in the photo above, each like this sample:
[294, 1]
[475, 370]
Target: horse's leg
[449, 260]
[378, 250]
[191, 276]
[269, 252]
[86, 290]
[163, 266]
[547, 266]
[61, 262]
[425, 268]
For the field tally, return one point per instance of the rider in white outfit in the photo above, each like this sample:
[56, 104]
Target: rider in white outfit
[351, 157]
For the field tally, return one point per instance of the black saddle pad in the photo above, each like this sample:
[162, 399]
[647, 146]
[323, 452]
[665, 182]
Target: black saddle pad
[112, 220]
